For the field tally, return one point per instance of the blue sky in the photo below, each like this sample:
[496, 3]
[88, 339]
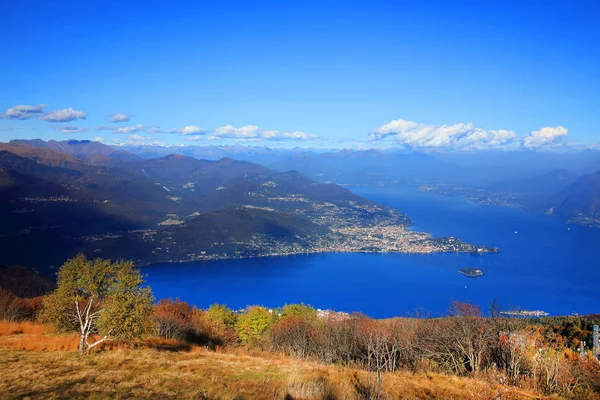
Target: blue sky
[426, 74]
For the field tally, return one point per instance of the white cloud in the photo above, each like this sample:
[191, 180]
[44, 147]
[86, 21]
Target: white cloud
[155, 129]
[122, 129]
[119, 117]
[138, 137]
[195, 137]
[192, 130]
[23, 112]
[65, 115]
[253, 132]
[187, 130]
[464, 136]
[98, 139]
[396, 127]
[545, 136]
[249, 131]
[128, 129]
[457, 136]
[72, 129]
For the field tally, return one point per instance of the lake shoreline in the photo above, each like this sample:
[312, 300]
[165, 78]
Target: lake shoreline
[150, 264]
[529, 273]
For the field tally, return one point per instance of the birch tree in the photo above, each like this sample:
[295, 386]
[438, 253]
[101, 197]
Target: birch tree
[101, 300]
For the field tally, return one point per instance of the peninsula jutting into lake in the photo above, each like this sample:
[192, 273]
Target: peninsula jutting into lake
[181, 209]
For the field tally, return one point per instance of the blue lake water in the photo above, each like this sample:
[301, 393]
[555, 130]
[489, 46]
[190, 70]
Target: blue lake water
[547, 265]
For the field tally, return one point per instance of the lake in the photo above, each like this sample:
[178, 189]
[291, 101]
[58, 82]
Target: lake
[544, 264]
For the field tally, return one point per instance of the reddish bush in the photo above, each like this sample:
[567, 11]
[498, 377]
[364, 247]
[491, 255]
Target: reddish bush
[32, 306]
[461, 309]
[13, 308]
[174, 319]
[294, 335]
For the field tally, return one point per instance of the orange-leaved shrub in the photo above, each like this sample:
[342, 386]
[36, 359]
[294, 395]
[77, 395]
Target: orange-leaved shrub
[174, 319]
[14, 308]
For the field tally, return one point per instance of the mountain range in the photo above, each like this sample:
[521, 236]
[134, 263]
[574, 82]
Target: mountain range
[538, 182]
[579, 202]
[59, 198]
[62, 197]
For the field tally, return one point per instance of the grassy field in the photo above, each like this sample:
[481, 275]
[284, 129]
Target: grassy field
[40, 365]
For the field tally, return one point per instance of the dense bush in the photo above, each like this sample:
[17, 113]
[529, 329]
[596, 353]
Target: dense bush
[13, 308]
[506, 350]
[174, 319]
[293, 335]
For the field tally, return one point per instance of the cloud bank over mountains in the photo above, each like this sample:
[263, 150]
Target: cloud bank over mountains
[187, 130]
[193, 132]
[463, 136]
[253, 132]
[545, 136]
[399, 132]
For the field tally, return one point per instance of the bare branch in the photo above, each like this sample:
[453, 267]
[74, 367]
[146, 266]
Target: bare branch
[97, 342]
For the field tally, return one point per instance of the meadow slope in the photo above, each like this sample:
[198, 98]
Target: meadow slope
[39, 365]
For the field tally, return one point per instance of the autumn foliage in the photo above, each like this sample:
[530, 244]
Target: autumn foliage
[540, 355]
[517, 352]
[13, 308]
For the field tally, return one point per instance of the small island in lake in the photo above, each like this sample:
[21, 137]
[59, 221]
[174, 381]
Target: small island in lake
[471, 272]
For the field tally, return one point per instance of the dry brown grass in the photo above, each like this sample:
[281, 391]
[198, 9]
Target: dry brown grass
[26, 327]
[36, 371]
[34, 337]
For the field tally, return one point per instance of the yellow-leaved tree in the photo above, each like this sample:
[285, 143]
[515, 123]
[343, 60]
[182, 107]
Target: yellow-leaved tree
[253, 323]
[99, 297]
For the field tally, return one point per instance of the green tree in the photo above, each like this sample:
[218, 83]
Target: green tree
[219, 316]
[99, 297]
[306, 312]
[220, 323]
[253, 323]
